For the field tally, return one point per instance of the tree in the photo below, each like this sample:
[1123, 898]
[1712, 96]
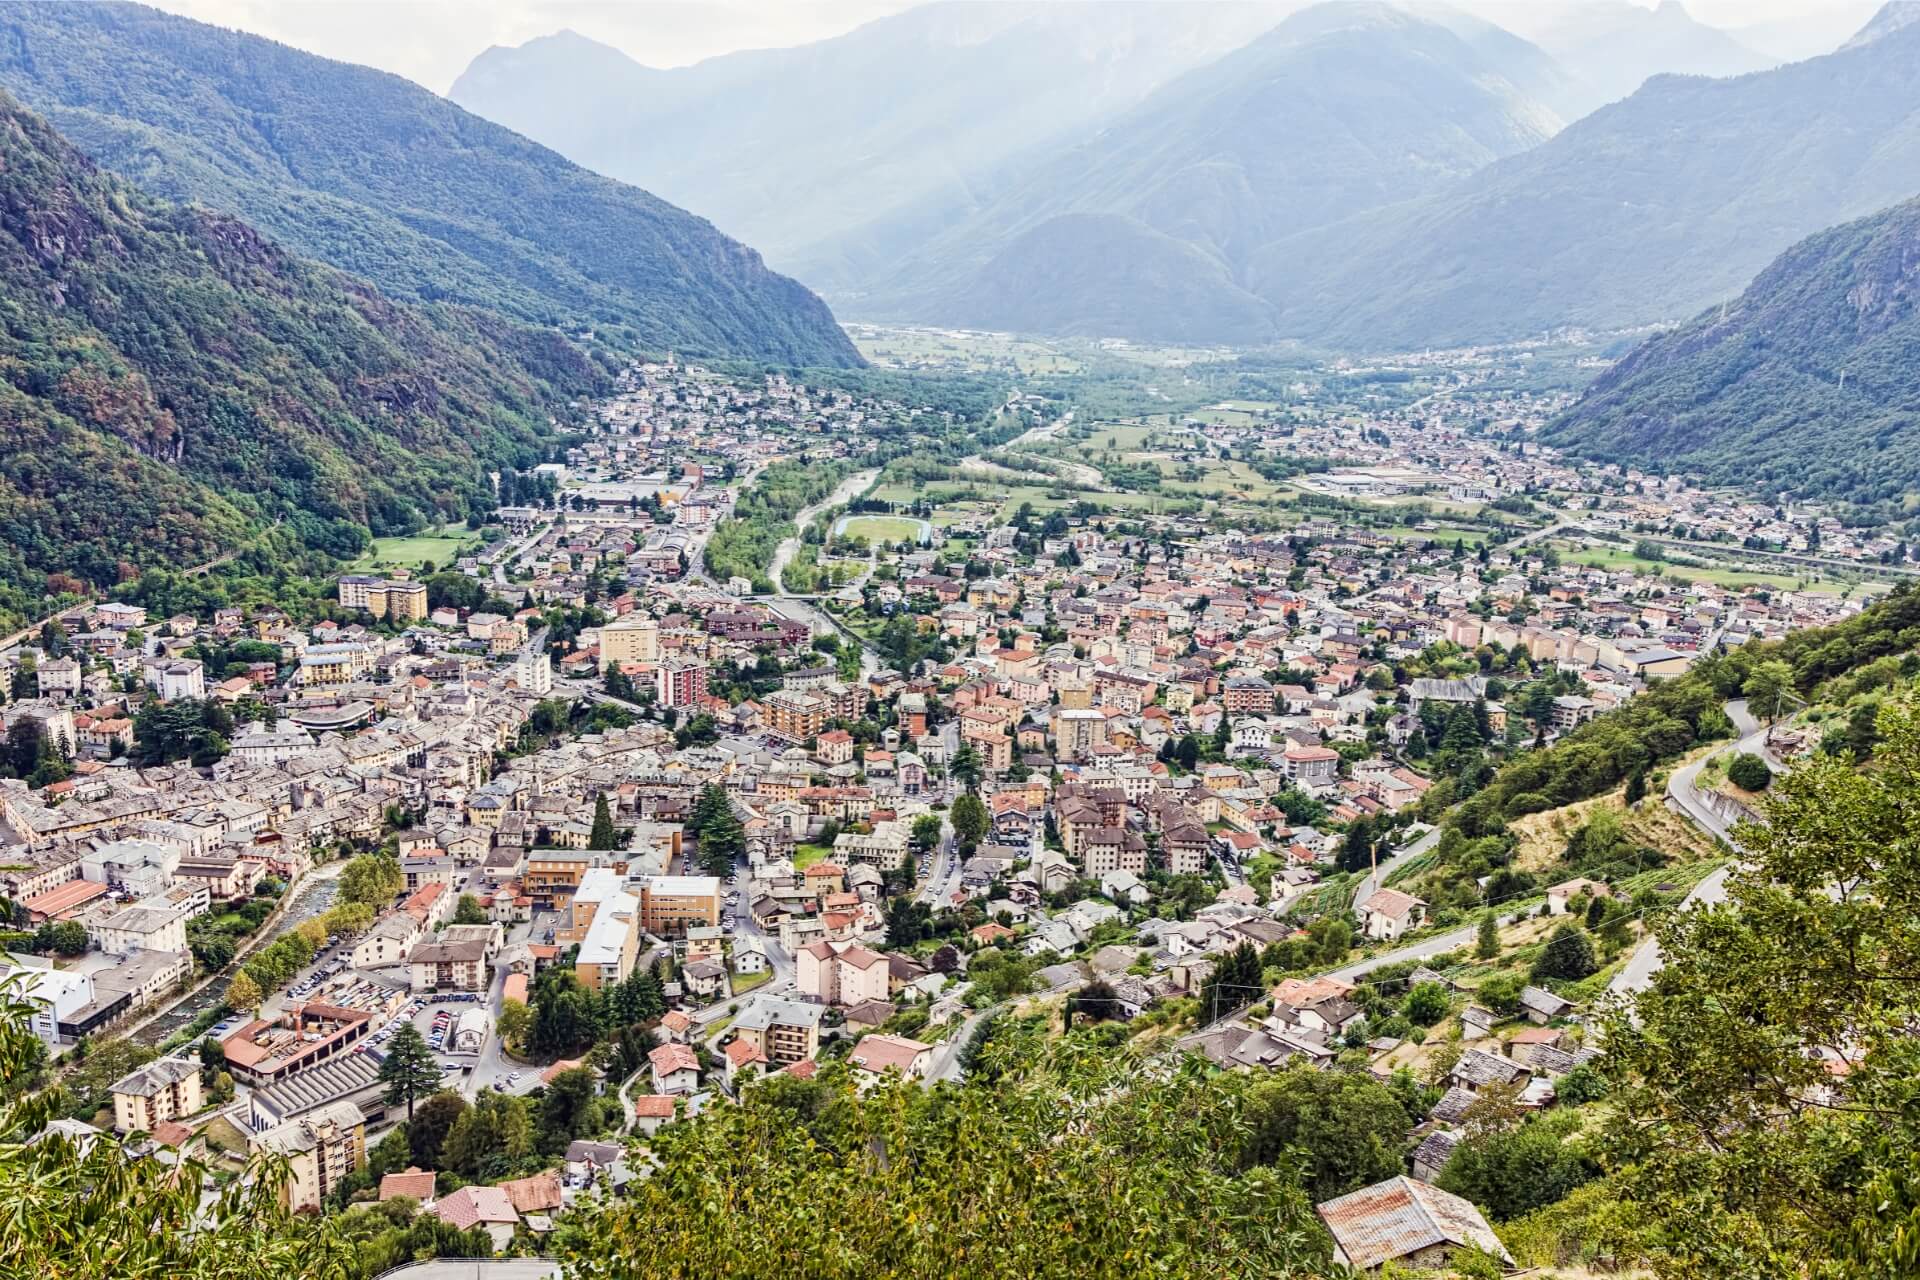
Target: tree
[409, 1070]
[469, 911]
[374, 879]
[1426, 1004]
[1512, 1171]
[1356, 851]
[969, 818]
[348, 919]
[1749, 772]
[489, 1137]
[243, 993]
[1234, 983]
[1095, 1170]
[569, 1109]
[432, 1122]
[926, 830]
[966, 767]
[715, 825]
[1567, 957]
[1636, 786]
[565, 1019]
[1095, 1002]
[603, 836]
[1486, 943]
[1350, 1129]
[1768, 686]
[1768, 1078]
[67, 937]
[391, 1154]
[516, 1019]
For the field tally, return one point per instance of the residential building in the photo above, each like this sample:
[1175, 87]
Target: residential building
[321, 1148]
[160, 1091]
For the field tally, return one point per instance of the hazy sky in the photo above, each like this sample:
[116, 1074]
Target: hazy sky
[431, 41]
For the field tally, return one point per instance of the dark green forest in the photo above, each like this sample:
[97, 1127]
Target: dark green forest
[172, 380]
[380, 177]
[1807, 384]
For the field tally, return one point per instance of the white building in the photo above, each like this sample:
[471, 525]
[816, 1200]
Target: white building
[176, 679]
[533, 672]
[143, 927]
[55, 995]
[259, 745]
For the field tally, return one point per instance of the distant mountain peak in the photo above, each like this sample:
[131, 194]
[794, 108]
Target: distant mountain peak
[1896, 15]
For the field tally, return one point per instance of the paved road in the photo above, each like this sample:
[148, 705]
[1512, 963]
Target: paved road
[476, 1269]
[944, 875]
[1425, 949]
[1685, 797]
[1371, 882]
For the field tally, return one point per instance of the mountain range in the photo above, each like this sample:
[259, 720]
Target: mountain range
[380, 177]
[796, 150]
[1353, 176]
[174, 381]
[1807, 384]
[1644, 212]
[1149, 226]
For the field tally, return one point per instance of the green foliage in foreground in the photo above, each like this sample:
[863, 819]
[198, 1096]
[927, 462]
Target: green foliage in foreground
[1081, 1166]
[1769, 1099]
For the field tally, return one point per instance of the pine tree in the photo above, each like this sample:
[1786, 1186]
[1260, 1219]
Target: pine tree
[409, 1071]
[1487, 945]
[1234, 984]
[603, 836]
[722, 838]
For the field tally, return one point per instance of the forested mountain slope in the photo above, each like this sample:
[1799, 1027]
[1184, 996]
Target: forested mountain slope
[1145, 229]
[171, 379]
[378, 176]
[1808, 383]
[1644, 212]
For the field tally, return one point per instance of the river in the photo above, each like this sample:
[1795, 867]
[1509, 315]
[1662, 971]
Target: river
[312, 898]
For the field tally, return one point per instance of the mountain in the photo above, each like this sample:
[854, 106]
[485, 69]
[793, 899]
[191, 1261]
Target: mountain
[792, 149]
[1144, 229]
[1807, 384]
[172, 381]
[380, 177]
[1609, 48]
[1644, 212]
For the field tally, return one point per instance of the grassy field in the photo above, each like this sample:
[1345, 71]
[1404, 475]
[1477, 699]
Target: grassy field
[882, 529]
[440, 548]
[805, 855]
[745, 982]
[1623, 559]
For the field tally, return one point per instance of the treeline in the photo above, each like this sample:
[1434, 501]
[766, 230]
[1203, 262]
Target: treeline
[743, 547]
[1672, 716]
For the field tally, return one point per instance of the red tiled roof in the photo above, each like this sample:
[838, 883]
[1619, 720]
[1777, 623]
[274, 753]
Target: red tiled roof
[471, 1206]
[412, 1183]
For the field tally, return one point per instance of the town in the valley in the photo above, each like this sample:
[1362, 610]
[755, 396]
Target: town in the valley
[777, 729]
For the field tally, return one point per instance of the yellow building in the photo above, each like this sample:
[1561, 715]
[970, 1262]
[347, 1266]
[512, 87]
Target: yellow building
[634, 638]
[321, 1148]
